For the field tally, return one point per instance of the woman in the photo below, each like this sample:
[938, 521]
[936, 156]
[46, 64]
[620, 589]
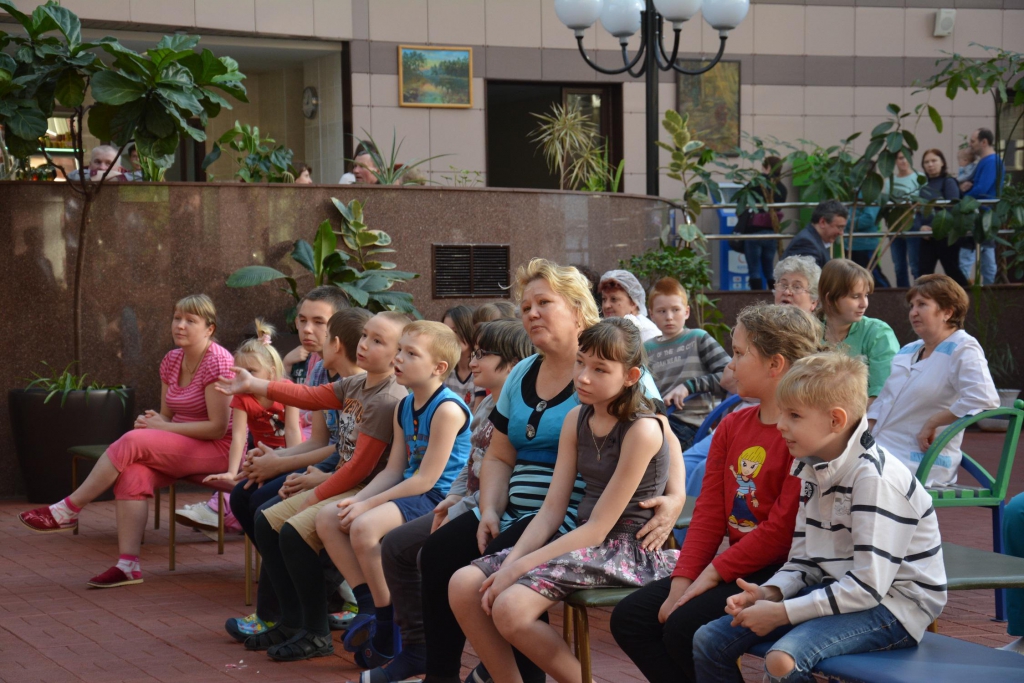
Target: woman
[556, 305]
[844, 288]
[940, 186]
[905, 250]
[623, 297]
[761, 253]
[796, 282]
[190, 435]
[934, 381]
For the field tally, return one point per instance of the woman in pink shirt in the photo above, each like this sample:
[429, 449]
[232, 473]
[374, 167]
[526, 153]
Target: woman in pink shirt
[190, 435]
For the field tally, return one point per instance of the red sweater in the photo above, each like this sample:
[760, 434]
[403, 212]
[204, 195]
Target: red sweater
[755, 504]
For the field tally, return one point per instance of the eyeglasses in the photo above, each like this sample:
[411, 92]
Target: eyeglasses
[480, 353]
[786, 287]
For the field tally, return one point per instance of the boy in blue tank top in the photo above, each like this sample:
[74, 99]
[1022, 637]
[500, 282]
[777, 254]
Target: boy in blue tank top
[431, 446]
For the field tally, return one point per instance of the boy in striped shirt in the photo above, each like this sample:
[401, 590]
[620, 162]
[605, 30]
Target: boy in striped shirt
[865, 569]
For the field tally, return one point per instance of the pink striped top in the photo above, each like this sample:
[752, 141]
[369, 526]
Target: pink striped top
[188, 404]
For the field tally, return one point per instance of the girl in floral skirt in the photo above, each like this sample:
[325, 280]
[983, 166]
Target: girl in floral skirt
[614, 442]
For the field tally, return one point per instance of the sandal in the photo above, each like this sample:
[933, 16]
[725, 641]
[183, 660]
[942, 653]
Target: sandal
[269, 638]
[303, 645]
[360, 631]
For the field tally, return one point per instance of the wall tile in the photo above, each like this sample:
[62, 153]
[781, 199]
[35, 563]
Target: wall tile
[227, 15]
[455, 22]
[449, 131]
[937, 99]
[784, 128]
[919, 41]
[634, 140]
[872, 101]
[746, 100]
[100, 10]
[383, 58]
[779, 69]
[778, 100]
[979, 4]
[361, 19]
[360, 89]
[918, 69]
[403, 21]
[830, 71]
[878, 71]
[164, 12]
[828, 31]
[880, 3]
[285, 17]
[359, 56]
[981, 26]
[333, 19]
[779, 30]
[634, 95]
[740, 42]
[929, 138]
[879, 32]
[974, 104]
[479, 93]
[361, 121]
[865, 124]
[963, 126]
[411, 127]
[514, 63]
[828, 101]
[513, 23]
[565, 65]
[1013, 31]
[668, 94]
[553, 32]
[826, 131]
[383, 90]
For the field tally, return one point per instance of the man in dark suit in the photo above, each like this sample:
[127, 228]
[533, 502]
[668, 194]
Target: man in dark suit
[828, 222]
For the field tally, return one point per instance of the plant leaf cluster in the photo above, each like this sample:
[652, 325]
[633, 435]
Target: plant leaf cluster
[63, 382]
[258, 160]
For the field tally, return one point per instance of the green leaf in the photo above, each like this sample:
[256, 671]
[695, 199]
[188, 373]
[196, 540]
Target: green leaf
[179, 98]
[933, 114]
[203, 66]
[250, 276]
[881, 128]
[871, 188]
[343, 208]
[303, 255]
[27, 123]
[212, 156]
[109, 87]
[66, 22]
[70, 90]
[355, 293]
[157, 120]
[12, 9]
[894, 142]
[893, 109]
[152, 146]
[373, 282]
[325, 243]
[910, 140]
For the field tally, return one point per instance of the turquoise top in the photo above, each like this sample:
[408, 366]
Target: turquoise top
[875, 341]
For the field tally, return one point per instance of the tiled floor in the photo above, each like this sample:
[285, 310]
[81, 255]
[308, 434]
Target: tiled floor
[170, 629]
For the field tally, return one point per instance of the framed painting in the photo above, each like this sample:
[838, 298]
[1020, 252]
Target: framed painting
[432, 76]
[713, 102]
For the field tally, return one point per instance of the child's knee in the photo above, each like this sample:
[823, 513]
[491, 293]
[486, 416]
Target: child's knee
[327, 521]
[363, 533]
[779, 664]
[464, 586]
[507, 618]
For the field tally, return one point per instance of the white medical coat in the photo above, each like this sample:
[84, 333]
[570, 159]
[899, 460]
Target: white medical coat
[954, 377]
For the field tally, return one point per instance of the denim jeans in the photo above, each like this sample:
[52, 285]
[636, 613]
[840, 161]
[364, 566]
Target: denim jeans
[760, 258]
[988, 263]
[718, 645]
[905, 252]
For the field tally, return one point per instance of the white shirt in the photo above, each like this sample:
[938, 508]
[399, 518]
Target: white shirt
[648, 330]
[954, 377]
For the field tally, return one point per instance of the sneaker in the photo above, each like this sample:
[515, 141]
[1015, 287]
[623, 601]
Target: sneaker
[479, 675]
[339, 621]
[42, 520]
[199, 515]
[1016, 646]
[113, 578]
[242, 628]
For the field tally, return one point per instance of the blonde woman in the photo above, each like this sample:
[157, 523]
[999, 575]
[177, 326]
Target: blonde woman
[188, 436]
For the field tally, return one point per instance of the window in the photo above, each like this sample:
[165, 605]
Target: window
[471, 270]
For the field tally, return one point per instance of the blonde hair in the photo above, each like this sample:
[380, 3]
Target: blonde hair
[838, 278]
[826, 381]
[262, 350]
[754, 454]
[200, 306]
[667, 286]
[566, 281]
[788, 331]
[444, 345]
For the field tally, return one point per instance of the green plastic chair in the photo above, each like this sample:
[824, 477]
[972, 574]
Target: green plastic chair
[992, 490]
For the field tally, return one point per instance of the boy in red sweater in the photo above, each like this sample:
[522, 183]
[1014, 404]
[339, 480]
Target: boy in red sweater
[747, 496]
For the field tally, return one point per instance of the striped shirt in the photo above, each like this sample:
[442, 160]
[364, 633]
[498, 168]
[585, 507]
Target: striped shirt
[188, 403]
[692, 358]
[866, 529]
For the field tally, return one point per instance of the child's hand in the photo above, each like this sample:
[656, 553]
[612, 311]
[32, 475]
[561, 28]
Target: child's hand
[763, 617]
[297, 483]
[225, 476]
[441, 512]
[677, 396]
[241, 383]
[679, 586]
[488, 530]
[739, 602]
[708, 579]
[264, 465]
[296, 355]
[348, 510]
[494, 585]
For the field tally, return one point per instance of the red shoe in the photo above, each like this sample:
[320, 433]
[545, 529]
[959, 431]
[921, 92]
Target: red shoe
[42, 521]
[113, 578]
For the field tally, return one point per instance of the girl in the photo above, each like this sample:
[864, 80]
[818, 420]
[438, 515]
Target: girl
[615, 443]
[459, 320]
[270, 423]
[747, 496]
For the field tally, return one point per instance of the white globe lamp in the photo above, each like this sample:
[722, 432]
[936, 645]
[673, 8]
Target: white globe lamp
[579, 15]
[725, 15]
[621, 18]
[677, 11]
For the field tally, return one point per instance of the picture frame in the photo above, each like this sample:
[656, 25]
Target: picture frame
[712, 100]
[435, 76]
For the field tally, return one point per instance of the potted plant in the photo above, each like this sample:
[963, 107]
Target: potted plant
[1003, 368]
[87, 413]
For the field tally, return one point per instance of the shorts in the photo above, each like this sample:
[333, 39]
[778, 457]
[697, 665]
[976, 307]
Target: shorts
[303, 522]
[414, 507]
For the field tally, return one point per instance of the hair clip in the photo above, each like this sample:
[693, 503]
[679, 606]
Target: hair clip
[265, 339]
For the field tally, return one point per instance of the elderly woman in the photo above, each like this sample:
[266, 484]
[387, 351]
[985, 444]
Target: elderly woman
[556, 305]
[934, 381]
[796, 282]
[623, 297]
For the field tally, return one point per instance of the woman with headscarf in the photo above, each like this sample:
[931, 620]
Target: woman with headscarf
[623, 297]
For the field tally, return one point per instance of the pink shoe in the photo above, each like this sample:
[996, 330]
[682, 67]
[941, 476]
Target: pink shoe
[113, 578]
[42, 521]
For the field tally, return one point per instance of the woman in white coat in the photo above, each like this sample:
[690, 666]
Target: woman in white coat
[934, 381]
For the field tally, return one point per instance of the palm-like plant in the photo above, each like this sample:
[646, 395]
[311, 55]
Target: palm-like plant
[389, 170]
[571, 145]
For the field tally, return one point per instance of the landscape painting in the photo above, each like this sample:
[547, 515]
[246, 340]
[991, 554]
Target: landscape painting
[435, 76]
[713, 102]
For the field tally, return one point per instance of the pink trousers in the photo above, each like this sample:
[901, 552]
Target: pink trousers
[149, 459]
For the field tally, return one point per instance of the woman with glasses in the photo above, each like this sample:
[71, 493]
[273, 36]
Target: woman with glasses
[796, 282]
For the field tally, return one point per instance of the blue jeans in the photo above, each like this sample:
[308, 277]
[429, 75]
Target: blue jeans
[760, 258]
[988, 263]
[1013, 544]
[683, 431]
[718, 645]
[906, 252]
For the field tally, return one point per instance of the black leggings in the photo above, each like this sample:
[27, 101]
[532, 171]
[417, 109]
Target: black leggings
[448, 550]
[664, 652]
[941, 251]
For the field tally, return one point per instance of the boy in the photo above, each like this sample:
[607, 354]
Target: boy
[683, 362]
[268, 473]
[865, 569]
[431, 446]
[286, 530]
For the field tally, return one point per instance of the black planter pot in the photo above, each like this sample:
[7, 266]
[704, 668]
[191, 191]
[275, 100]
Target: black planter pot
[43, 433]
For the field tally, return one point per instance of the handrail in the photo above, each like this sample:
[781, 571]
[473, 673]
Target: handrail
[787, 235]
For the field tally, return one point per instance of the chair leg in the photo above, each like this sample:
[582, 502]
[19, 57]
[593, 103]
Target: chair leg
[582, 628]
[156, 510]
[74, 482]
[170, 500]
[567, 617]
[220, 522]
[248, 571]
[997, 546]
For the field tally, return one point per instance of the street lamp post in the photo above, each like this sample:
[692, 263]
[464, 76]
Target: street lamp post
[623, 18]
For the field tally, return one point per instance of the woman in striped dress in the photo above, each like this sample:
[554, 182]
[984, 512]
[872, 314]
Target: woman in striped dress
[190, 435]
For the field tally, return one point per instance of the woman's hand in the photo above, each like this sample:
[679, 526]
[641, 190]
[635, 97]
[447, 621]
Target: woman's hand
[441, 512]
[241, 383]
[926, 436]
[708, 579]
[488, 530]
[677, 396]
[679, 586]
[666, 513]
[225, 476]
[150, 420]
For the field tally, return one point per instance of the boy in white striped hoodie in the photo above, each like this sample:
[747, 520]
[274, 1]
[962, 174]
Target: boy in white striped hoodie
[865, 569]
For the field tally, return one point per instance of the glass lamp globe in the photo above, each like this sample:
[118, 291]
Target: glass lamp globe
[621, 18]
[578, 15]
[725, 15]
[677, 11]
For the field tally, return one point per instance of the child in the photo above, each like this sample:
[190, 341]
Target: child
[459, 320]
[861, 507]
[684, 362]
[655, 625]
[967, 164]
[431, 446]
[627, 464]
[268, 421]
[266, 472]
[287, 530]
